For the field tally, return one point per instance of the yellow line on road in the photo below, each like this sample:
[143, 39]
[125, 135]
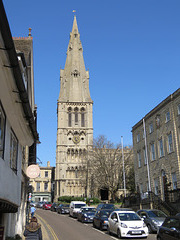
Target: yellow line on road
[50, 228]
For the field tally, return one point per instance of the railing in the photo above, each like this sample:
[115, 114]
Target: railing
[174, 195]
[152, 200]
[162, 205]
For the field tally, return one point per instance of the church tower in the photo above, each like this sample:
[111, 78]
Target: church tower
[75, 124]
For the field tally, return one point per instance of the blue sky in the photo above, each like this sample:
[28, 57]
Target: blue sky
[131, 48]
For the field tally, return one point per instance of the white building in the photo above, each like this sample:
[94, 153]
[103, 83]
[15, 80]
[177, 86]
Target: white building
[17, 126]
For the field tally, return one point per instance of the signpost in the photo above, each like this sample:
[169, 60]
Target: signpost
[33, 171]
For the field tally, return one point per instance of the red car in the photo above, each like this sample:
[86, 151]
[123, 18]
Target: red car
[47, 206]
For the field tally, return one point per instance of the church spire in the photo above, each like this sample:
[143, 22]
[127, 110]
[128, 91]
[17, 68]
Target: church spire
[74, 77]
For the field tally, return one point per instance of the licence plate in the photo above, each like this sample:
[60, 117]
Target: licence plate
[136, 232]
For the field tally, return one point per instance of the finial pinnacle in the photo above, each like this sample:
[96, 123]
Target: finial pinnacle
[30, 32]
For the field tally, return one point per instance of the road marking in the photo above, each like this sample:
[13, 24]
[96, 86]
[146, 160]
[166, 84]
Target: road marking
[51, 230]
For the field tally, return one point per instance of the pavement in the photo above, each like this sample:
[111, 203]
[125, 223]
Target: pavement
[47, 232]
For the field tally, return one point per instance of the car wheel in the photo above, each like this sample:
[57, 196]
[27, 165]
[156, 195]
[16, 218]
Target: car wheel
[149, 228]
[118, 234]
[158, 238]
[94, 225]
[108, 230]
[101, 228]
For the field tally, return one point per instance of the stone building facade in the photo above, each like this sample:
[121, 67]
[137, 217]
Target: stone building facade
[75, 124]
[43, 185]
[157, 161]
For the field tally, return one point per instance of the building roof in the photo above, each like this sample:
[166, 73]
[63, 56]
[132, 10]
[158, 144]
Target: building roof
[170, 98]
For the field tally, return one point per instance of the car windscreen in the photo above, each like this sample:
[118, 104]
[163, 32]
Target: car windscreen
[79, 205]
[105, 213]
[156, 214]
[89, 210]
[129, 217]
[108, 206]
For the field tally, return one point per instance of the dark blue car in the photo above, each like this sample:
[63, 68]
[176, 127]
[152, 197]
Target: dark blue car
[101, 218]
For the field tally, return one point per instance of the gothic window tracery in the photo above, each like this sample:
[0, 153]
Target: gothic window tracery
[69, 117]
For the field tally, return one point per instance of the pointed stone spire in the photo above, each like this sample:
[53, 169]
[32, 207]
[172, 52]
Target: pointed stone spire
[74, 78]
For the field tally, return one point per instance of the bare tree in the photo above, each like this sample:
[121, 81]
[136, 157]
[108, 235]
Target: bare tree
[105, 167]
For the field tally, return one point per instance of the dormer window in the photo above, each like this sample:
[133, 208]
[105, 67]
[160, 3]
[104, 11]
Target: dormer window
[75, 73]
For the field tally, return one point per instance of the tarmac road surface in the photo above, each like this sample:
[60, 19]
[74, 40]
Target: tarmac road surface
[62, 227]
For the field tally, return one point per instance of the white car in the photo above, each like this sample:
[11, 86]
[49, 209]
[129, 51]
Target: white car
[75, 207]
[127, 224]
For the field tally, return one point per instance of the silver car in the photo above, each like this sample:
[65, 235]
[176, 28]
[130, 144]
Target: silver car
[153, 218]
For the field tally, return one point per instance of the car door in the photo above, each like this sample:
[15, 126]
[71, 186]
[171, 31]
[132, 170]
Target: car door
[114, 222]
[171, 229]
[96, 218]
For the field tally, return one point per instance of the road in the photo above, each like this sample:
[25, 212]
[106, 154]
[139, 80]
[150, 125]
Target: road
[62, 227]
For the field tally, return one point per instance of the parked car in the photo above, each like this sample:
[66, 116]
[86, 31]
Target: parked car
[75, 207]
[47, 206]
[127, 224]
[153, 218]
[86, 214]
[170, 229]
[100, 219]
[178, 214]
[105, 206]
[63, 208]
[33, 204]
[54, 207]
[40, 204]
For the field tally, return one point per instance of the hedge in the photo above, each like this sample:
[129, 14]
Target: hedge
[68, 199]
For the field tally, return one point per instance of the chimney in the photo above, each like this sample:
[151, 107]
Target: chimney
[48, 163]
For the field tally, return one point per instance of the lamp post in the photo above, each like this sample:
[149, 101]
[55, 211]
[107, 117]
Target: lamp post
[124, 175]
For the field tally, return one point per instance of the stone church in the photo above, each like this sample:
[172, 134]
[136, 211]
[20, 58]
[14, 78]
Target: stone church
[74, 122]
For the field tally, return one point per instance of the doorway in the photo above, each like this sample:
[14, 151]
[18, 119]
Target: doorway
[104, 193]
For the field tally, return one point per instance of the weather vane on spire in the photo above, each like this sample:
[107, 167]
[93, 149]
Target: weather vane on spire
[74, 11]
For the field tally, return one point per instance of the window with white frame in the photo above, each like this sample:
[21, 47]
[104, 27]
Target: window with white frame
[179, 109]
[161, 150]
[139, 159]
[13, 151]
[152, 151]
[38, 186]
[170, 143]
[156, 187]
[2, 131]
[151, 128]
[145, 158]
[168, 116]
[138, 137]
[174, 180]
[45, 186]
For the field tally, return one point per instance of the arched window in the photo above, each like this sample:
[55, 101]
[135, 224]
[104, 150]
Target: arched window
[76, 116]
[69, 117]
[82, 117]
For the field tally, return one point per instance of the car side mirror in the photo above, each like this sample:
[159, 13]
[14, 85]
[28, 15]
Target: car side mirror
[115, 219]
[143, 216]
[173, 229]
